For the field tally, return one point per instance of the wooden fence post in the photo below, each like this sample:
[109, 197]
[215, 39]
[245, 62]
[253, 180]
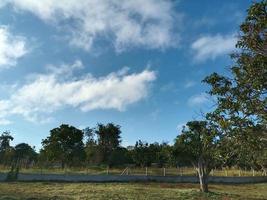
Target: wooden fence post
[164, 171]
[146, 171]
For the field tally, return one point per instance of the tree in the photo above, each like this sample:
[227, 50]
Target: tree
[120, 157]
[6, 151]
[160, 154]
[65, 144]
[24, 154]
[5, 139]
[92, 151]
[241, 110]
[141, 154]
[198, 144]
[108, 139]
[165, 155]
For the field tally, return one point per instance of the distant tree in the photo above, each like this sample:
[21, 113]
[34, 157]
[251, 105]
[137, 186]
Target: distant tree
[65, 145]
[141, 154]
[120, 157]
[108, 139]
[89, 135]
[153, 153]
[241, 110]
[24, 154]
[5, 140]
[165, 155]
[92, 150]
[160, 154]
[198, 144]
[6, 151]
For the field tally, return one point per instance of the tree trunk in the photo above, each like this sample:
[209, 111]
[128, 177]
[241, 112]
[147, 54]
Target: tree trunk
[203, 177]
[203, 183]
[62, 164]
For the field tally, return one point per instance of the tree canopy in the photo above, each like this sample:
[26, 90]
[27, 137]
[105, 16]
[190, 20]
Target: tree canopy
[65, 144]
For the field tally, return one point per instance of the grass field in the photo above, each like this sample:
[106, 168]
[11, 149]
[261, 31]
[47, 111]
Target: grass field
[153, 191]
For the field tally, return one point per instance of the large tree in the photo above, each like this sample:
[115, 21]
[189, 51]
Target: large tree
[65, 145]
[198, 144]
[108, 139]
[241, 110]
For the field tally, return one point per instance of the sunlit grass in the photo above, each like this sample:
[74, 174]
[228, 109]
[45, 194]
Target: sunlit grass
[128, 191]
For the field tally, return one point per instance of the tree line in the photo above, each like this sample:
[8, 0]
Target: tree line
[233, 134]
[68, 146]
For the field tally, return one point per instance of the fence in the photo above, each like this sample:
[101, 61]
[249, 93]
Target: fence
[137, 171]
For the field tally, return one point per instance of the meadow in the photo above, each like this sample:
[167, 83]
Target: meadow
[155, 191]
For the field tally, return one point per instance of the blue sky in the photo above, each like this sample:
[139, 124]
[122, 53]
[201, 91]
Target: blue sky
[136, 63]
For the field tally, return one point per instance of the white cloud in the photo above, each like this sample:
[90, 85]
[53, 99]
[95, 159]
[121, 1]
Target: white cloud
[199, 99]
[46, 93]
[189, 84]
[11, 48]
[127, 23]
[210, 47]
[4, 122]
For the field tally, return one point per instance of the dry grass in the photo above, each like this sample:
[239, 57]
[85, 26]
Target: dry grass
[154, 191]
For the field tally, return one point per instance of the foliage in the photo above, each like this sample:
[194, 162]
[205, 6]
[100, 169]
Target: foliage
[141, 154]
[64, 145]
[198, 143]
[24, 154]
[119, 157]
[102, 143]
[6, 151]
[241, 111]
[108, 139]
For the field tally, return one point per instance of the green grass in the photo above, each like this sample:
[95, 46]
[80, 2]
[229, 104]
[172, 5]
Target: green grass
[121, 191]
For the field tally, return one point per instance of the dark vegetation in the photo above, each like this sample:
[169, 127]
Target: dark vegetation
[233, 134]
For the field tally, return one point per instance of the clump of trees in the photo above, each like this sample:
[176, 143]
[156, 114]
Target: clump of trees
[68, 146]
[100, 145]
[20, 155]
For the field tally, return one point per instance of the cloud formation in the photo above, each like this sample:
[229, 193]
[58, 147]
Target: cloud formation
[11, 48]
[211, 47]
[199, 99]
[124, 23]
[46, 93]
[189, 84]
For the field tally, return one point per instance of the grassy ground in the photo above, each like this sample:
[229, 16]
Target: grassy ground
[139, 191]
